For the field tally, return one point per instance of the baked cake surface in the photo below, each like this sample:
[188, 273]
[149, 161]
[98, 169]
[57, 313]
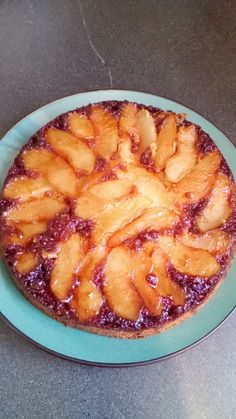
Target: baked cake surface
[119, 219]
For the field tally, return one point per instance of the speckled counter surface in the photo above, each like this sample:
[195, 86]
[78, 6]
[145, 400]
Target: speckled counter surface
[184, 50]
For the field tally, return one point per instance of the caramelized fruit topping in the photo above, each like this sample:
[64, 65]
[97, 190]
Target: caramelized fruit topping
[66, 264]
[81, 126]
[121, 213]
[189, 260]
[118, 287]
[146, 129]
[199, 182]
[106, 132]
[26, 262]
[74, 151]
[36, 210]
[218, 208]
[23, 188]
[185, 157]
[166, 142]
[215, 241]
[53, 168]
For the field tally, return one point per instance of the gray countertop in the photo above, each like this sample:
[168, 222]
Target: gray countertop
[184, 50]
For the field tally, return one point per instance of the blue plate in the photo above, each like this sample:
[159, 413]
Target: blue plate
[82, 346]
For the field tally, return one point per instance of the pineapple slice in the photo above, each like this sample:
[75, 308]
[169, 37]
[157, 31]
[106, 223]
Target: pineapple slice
[165, 286]
[196, 262]
[120, 293]
[166, 142]
[198, 183]
[54, 169]
[218, 209]
[26, 262]
[65, 267]
[152, 219]
[128, 117]
[106, 131]
[36, 210]
[148, 185]
[24, 188]
[98, 196]
[87, 300]
[146, 128]
[215, 241]
[142, 266]
[185, 158]
[81, 126]
[74, 151]
[116, 215]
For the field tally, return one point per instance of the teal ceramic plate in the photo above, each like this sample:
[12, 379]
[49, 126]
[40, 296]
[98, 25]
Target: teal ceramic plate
[82, 346]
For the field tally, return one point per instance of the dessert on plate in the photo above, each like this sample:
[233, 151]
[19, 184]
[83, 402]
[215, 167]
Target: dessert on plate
[119, 219]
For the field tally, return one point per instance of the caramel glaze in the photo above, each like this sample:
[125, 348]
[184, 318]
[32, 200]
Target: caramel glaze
[36, 283]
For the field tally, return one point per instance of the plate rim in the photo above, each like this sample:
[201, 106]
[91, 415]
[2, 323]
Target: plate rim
[110, 364]
[97, 363]
[115, 91]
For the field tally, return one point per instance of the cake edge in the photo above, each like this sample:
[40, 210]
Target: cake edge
[120, 333]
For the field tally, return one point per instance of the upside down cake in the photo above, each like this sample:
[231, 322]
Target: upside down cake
[119, 219]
